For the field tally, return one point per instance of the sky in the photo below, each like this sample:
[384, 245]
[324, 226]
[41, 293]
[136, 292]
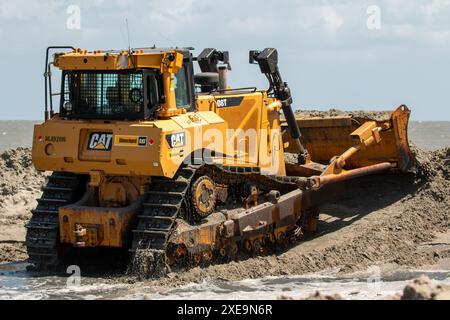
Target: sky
[349, 55]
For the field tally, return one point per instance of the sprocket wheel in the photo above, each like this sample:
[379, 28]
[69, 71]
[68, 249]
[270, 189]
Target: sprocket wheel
[203, 196]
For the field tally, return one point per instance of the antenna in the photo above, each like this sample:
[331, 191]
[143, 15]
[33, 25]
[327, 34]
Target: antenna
[167, 39]
[128, 35]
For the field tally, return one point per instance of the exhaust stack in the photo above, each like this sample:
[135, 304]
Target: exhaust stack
[223, 77]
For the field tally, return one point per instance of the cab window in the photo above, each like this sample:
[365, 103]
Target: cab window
[181, 89]
[153, 91]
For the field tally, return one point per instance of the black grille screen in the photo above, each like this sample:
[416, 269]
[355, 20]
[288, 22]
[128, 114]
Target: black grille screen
[103, 95]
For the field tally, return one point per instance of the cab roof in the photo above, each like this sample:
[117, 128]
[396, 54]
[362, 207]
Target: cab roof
[164, 59]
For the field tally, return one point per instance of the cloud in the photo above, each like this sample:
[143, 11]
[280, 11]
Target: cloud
[440, 37]
[436, 7]
[172, 15]
[25, 10]
[333, 21]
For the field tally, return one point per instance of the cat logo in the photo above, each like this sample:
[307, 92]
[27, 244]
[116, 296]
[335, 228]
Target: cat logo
[176, 139]
[100, 141]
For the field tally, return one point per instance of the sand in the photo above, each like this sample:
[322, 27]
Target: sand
[425, 289]
[379, 220]
[422, 288]
[20, 185]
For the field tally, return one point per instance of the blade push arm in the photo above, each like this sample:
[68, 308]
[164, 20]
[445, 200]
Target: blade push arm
[366, 136]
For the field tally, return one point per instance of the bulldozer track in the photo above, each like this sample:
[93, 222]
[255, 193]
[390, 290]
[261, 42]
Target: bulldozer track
[42, 238]
[163, 202]
[166, 200]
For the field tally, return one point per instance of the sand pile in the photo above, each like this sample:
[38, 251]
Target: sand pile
[18, 178]
[358, 114]
[433, 164]
[20, 185]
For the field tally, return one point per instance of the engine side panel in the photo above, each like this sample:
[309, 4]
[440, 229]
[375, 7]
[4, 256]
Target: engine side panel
[153, 148]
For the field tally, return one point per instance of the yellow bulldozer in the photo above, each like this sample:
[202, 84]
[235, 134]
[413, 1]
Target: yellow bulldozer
[148, 157]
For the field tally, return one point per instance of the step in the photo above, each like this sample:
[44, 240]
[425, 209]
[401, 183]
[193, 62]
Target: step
[60, 189]
[162, 193]
[39, 254]
[167, 183]
[161, 205]
[151, 232]
[186, 172]
[42, 211]
[37, 245]
[154, 225]
[62, 177]
[52, 200]
[157, 217]
[47, 226]
[154, 246]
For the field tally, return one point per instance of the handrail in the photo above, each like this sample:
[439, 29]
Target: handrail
[216, 91]
[47, 74]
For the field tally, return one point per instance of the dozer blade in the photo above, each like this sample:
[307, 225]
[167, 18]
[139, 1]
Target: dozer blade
[353, 142]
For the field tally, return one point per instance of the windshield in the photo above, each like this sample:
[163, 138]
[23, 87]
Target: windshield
[105, 94]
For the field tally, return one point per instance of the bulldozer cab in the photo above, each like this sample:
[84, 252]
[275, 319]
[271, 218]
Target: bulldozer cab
[123, 90]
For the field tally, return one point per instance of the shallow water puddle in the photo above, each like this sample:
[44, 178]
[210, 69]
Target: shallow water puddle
[17, 283]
